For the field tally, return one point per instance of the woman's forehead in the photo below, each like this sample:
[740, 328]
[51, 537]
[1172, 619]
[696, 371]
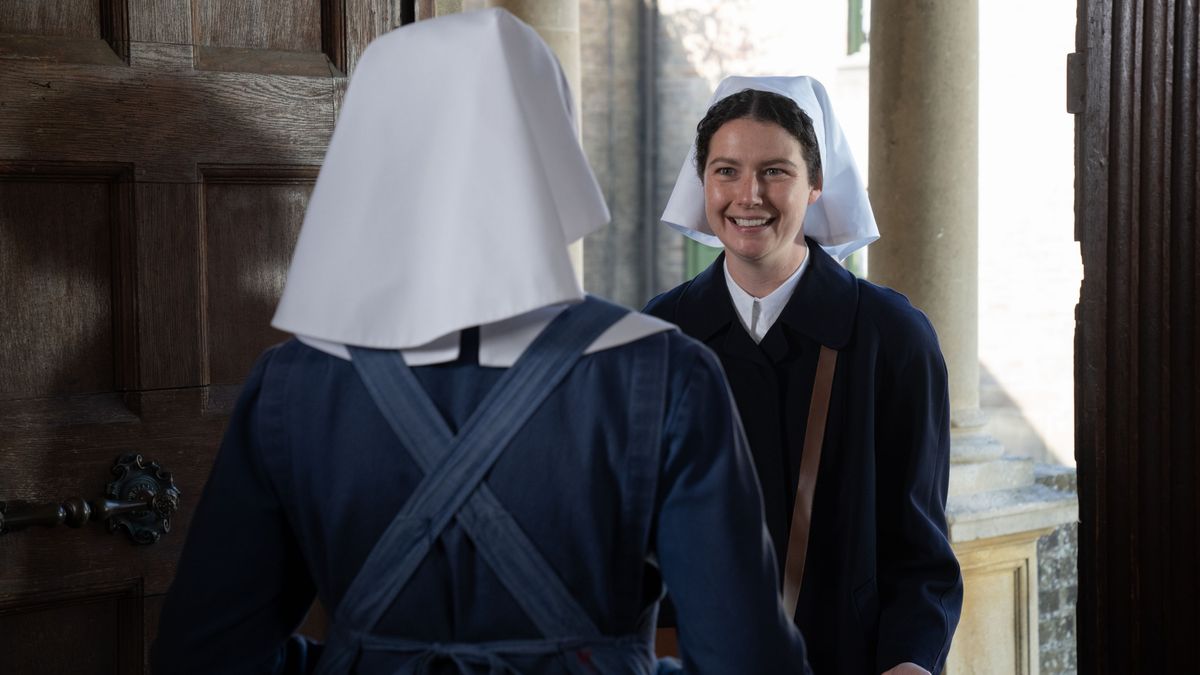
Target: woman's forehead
[744, 138]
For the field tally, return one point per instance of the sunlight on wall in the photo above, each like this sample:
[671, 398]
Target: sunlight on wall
[1029, 263]
[757, 37]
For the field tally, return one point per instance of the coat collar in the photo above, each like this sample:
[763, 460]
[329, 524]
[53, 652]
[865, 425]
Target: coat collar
[822, 307]
[705, 306]
[825, 302]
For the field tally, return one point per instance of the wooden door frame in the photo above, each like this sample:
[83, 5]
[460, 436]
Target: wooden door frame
[1133, 86]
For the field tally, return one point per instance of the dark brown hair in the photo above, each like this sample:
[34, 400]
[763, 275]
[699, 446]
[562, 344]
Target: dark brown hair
[761, 106]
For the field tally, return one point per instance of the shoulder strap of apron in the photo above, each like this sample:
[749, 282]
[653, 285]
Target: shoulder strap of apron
[810, 463]
[455, 470]
[648, 400]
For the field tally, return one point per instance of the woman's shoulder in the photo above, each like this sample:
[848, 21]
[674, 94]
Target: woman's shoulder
[665, 305]
[891, 318]
[293, 360]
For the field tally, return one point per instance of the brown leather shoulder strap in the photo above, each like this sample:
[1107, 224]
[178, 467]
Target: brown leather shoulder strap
[810, 462]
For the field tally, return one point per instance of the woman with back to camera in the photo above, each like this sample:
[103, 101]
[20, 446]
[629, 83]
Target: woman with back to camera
[476, 468]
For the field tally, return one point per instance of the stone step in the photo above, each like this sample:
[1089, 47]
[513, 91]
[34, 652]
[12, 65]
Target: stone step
[974, 447]
[1004, 473]
[1061, 478]
[1002, 512]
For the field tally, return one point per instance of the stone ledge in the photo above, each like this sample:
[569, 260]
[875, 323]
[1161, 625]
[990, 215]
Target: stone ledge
[1005, 473]
[1002, 512]
[1061, 478]
[974, 447]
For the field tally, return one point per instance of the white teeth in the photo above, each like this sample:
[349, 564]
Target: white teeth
[750, 222]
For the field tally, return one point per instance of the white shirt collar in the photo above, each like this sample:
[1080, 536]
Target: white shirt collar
[503, 342]
[759, 314]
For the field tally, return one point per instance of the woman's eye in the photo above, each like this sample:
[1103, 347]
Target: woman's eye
[724, 171]
[774, 172]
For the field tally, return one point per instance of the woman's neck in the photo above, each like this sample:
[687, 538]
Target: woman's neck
[760, 278]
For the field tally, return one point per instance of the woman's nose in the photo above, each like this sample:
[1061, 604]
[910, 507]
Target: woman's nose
[749, 191]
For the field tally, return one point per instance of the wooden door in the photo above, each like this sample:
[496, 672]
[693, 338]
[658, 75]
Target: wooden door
[1136, 94]
[156, 157]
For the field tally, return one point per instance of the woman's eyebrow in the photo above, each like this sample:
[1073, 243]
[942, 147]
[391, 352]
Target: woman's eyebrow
[729, 160]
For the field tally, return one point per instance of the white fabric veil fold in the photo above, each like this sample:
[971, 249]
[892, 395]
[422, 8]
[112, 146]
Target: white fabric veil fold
[841, 220]
[451, 188]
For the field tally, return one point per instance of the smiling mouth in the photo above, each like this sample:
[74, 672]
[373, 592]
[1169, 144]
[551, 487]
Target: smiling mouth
[749, 223]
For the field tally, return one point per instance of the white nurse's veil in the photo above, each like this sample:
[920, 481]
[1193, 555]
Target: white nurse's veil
[452, 185]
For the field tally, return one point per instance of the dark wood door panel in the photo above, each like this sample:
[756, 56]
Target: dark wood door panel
[47, 460]
[167, 217]
[51, 18]
[87, 630]
[151, 613]
[284, 25]
[1138, 329]
[204, 317]
[64, 282]
[163, 123]
[251, 221]
[55, 247]
[285, 37]
[80, 31]
[161, 21]
[68, 327]
[289, 32]
[156, 158]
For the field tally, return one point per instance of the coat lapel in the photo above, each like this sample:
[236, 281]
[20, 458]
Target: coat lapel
[824, 304]
[705, 307]
[706, 311]
[822, 307]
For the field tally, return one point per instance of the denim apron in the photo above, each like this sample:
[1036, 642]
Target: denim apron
[454, 489]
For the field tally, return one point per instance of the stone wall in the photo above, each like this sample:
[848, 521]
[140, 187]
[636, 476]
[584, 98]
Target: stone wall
[638, 84]
[616, 258]
[1058, 583]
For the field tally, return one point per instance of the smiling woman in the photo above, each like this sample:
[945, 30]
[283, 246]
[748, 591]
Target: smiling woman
[854, 491]
[758, 184]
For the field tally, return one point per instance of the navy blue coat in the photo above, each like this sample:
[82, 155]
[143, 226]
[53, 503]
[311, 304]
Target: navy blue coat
[882, 585]
[310, 474]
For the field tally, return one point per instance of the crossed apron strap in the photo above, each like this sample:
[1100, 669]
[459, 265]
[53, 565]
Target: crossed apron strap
[648, 400]
[453, 486]
[810, 462]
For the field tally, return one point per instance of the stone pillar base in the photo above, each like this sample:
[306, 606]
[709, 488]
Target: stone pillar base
[998, 631]
[996, 512]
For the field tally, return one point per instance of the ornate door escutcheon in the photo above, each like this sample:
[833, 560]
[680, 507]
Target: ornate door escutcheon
[140, 500]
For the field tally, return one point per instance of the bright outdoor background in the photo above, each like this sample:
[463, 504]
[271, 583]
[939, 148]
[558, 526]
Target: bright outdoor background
[1029, 264]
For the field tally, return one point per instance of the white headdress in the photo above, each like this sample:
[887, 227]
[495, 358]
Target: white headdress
[452, 185]
[840, 220]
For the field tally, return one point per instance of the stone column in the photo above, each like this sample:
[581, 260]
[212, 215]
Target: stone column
[924, 172]
[557, 22]
[924, 185]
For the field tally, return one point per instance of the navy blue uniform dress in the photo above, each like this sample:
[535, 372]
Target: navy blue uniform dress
[881, 584]
[310, 475]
